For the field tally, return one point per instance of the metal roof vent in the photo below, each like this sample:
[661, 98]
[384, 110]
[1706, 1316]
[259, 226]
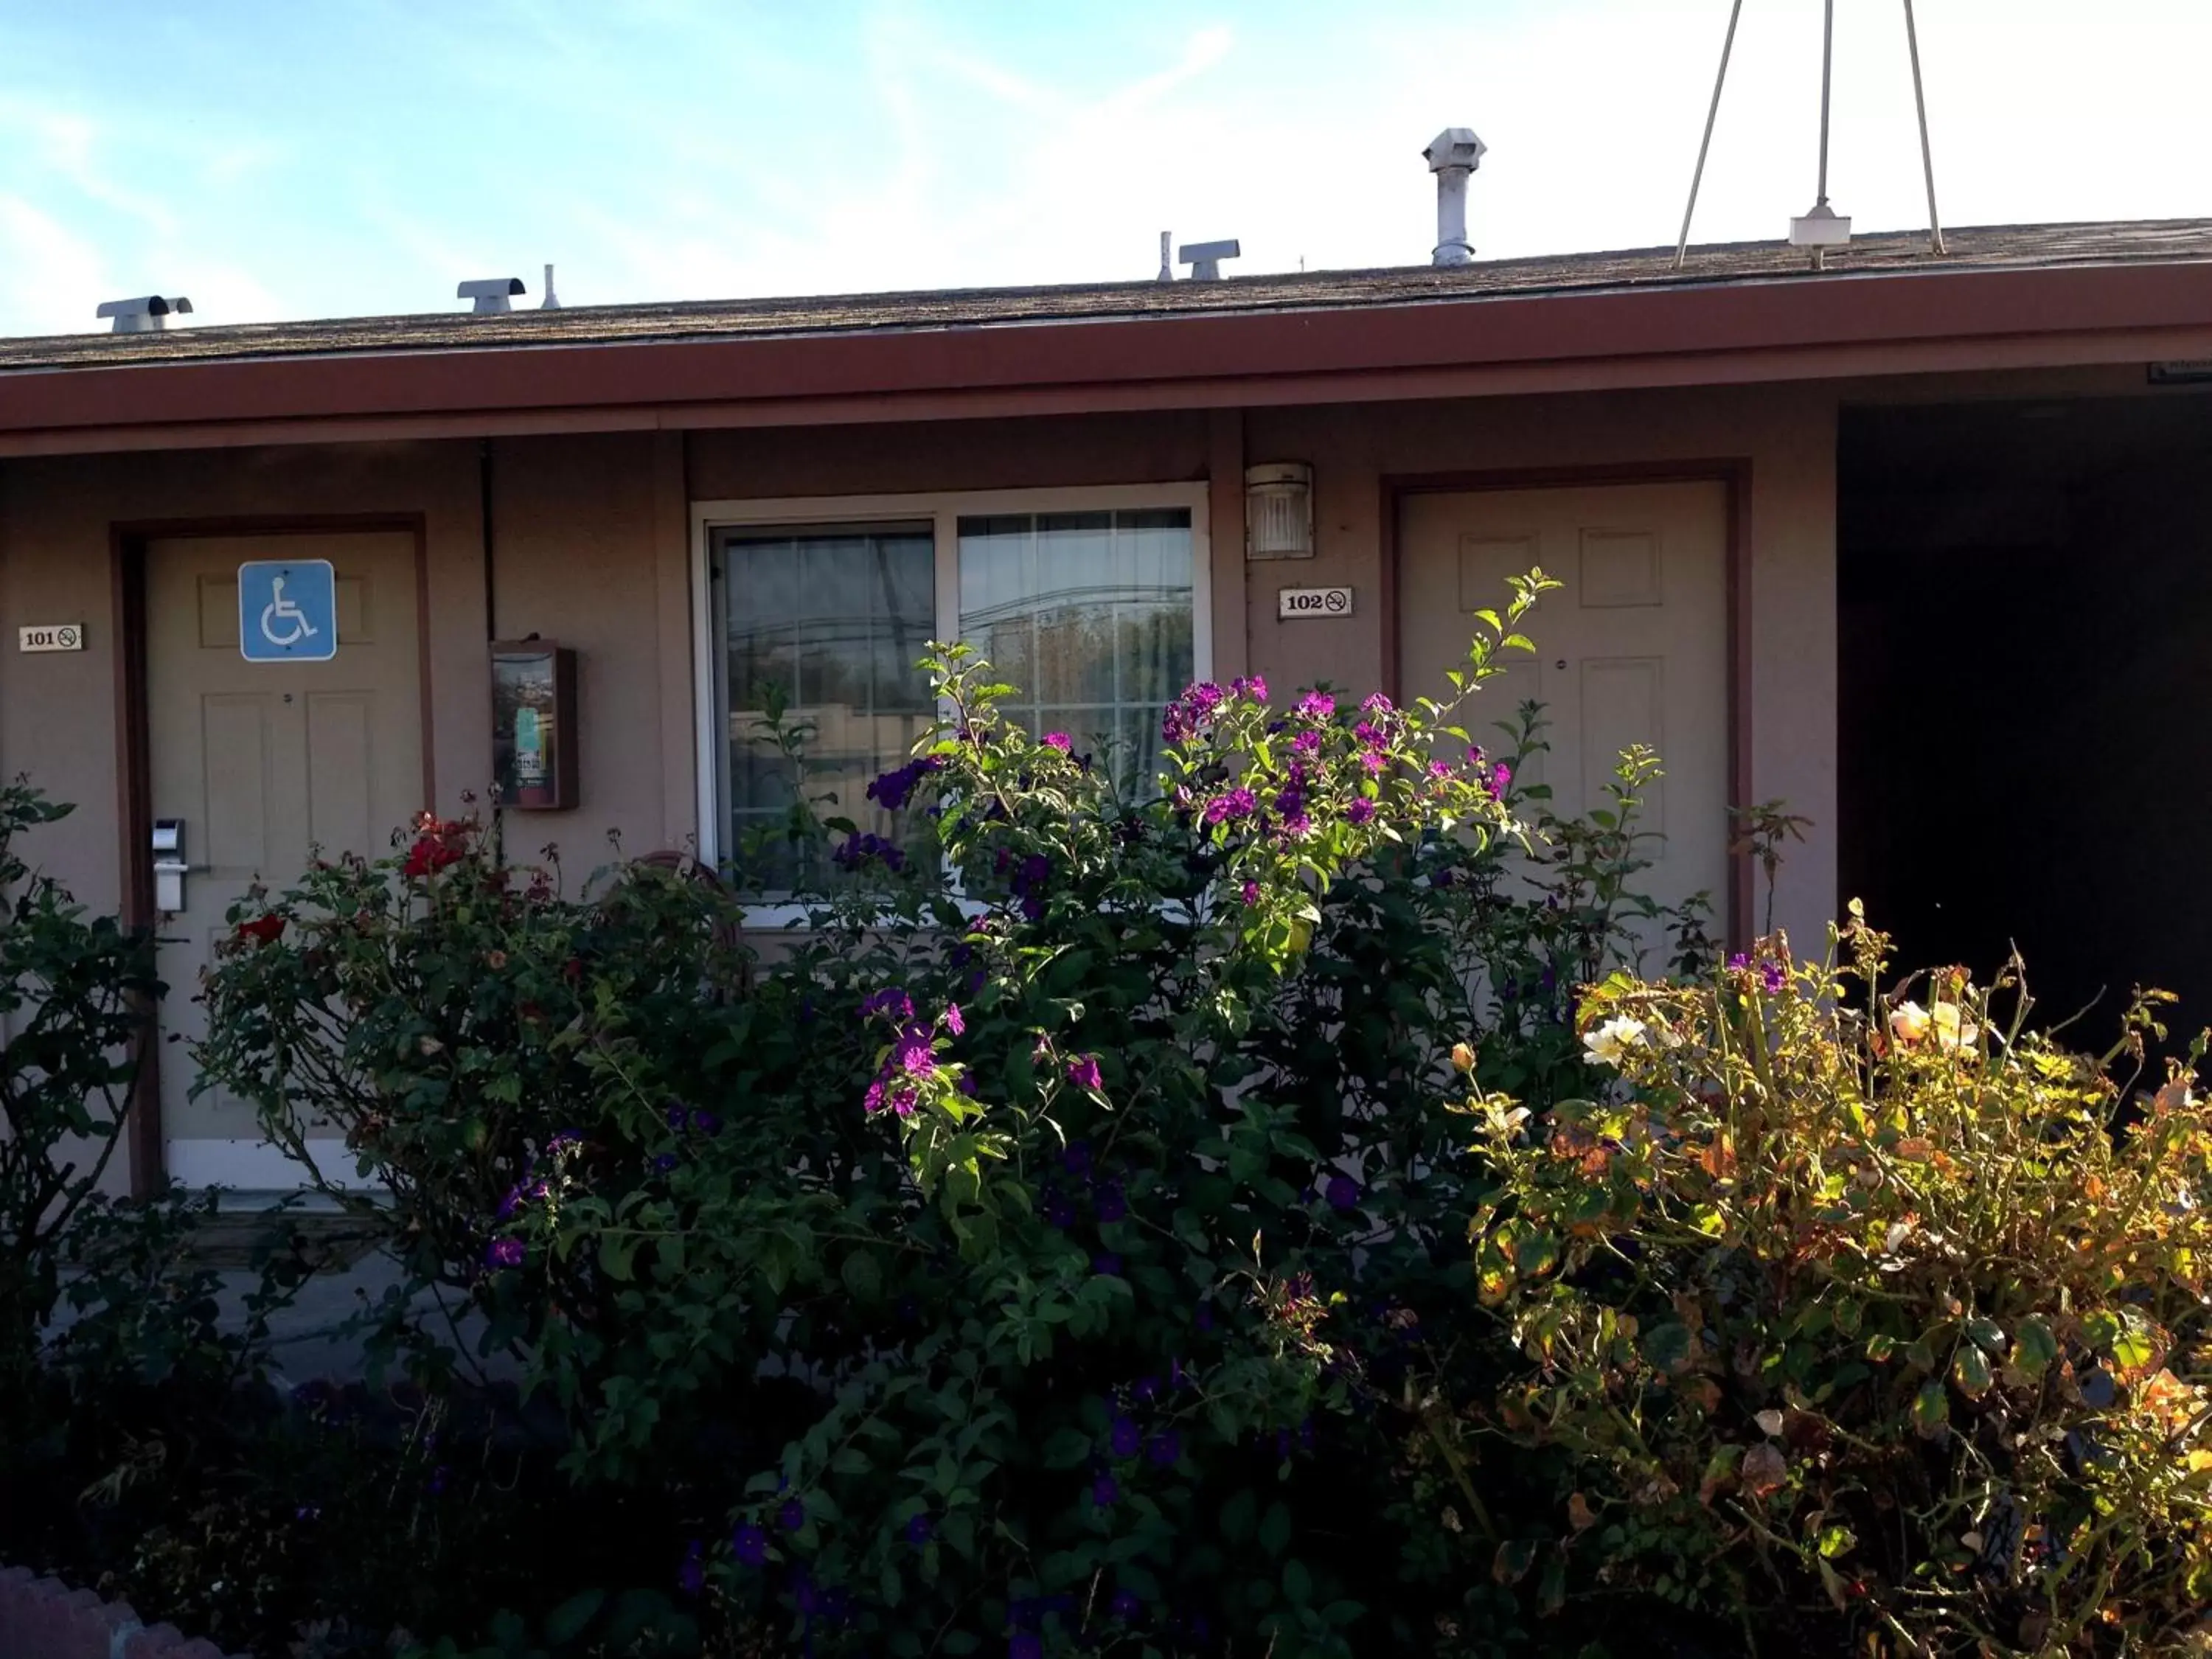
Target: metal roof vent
[1204, 258]
[148, 315]
[552, 301]
[1452, 155]
[491, 293]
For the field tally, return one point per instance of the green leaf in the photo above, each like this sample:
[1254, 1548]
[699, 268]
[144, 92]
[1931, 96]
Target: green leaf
[1239, 1514]
[1514, 1559]
[2034, 1347]
[1971, 1371]
[1275, 1529]
[1667, 1347]
[1066, 1448]
[862, 1276]
[1931, 1409]
[1298, 1583]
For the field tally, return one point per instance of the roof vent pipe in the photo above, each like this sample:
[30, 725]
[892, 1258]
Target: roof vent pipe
[148, 315]
[490, 294]
[552, 301]
[1452, 155]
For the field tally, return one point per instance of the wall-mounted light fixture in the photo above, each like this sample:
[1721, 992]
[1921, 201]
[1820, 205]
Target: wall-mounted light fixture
[1278, 521]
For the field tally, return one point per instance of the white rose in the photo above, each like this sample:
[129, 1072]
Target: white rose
[1953, 1029]
[1908, 1021]
[1610, 1042]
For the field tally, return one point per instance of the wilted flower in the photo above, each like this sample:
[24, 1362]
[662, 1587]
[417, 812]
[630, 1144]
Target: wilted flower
[1910, 1022]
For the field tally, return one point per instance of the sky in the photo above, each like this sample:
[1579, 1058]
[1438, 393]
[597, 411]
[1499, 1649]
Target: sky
[360, 157]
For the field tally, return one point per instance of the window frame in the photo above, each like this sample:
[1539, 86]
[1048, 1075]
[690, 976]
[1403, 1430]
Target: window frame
[943, 511]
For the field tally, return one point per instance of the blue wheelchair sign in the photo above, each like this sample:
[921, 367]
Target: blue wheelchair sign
[288, 611]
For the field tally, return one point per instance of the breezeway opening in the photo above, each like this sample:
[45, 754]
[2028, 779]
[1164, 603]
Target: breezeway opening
[2025, 742]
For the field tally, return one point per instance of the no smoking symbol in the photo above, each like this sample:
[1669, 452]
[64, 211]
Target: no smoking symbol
[1336, 599]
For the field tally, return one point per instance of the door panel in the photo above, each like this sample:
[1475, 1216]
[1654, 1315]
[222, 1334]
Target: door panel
[269, 765]
[1632, 649]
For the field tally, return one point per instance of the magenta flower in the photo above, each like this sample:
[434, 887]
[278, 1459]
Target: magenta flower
[1317, 706]
[954, 1021]
[1773, 976]
[1500, 775]
[1359, 810]
[1237, 802]
[1306, 742]
[504, 1253]
[1297, 826]
[1251, 892]
[1083, 1072]
[1059, 740]
[892, 1001]
[1377, 704]
[1738, 963]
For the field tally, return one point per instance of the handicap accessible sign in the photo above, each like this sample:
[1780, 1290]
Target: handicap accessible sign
[288, 611]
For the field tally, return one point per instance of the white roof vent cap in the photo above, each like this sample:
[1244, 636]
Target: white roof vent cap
[1204, 258]
[1452, 155]
[146, 315]
[491, 293]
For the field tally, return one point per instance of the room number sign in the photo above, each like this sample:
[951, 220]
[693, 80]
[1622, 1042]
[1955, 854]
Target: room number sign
[1313, 602]
[52, 636]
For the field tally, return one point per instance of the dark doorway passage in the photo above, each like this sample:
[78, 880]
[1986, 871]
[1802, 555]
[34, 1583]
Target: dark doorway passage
[2025, 751]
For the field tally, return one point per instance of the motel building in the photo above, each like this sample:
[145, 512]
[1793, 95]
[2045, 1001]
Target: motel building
[1917, 542]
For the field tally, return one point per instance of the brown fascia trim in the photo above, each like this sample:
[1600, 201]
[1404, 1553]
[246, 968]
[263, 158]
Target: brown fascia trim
[1846, 325]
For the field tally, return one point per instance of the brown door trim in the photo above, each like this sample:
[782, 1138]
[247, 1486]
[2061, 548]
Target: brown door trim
[127, 543]
[1734, 474]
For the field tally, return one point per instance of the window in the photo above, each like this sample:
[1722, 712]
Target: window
[1093, 603]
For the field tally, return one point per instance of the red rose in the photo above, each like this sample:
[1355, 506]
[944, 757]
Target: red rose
[428, 855]
[262, 930]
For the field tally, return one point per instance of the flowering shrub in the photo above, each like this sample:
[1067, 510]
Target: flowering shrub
[1832, 1297]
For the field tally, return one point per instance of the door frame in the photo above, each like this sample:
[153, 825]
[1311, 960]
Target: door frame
[127, 541]
[1733, 475]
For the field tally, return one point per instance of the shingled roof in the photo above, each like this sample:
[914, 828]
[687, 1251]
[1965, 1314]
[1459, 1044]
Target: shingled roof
[1997, 247]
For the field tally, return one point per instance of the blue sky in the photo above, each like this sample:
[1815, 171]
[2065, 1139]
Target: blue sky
[346, 157]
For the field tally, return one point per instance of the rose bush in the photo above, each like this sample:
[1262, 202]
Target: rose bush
[1848, 1317]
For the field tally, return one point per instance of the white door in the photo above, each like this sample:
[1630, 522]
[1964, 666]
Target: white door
[1632, 649]
[267, 765]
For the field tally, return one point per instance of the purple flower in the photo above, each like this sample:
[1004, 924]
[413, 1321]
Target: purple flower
[1773, 976]
[966, 1084]
[678, 1115]
[1107, 1265]
[954, 1021]
[1376, 704]
[1206, 1315]
[892, 789]
[872, 1102]
[890, 1000]
[691, 1576]
[1738, 963]
[1147, 1388]
[1105, 1492]
[1440, 769]
[1237, 802]
[1123, 1437]
[1317, 706]
[1077, 1157]
[1024, 1645]
[792, 1516]
[504, 1253]
[1368, 733]
[1343, 1193]
[1251, 892]
[1306, 742]
[919, 1530]
[857, 852]
[1359, 810]
[706, 1123]
[1083, 1073]
[1500, 775]
[510, 1203]
[1298, 827]
[1255, 687]
[1059, 740]
[1057, 1211]
[1126, 1606]
[750, 1545]
[913, 1052]
[1109, 1205]
[904, 1099]
[665, 1162]
[1163, 1448]
[1375, 760]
